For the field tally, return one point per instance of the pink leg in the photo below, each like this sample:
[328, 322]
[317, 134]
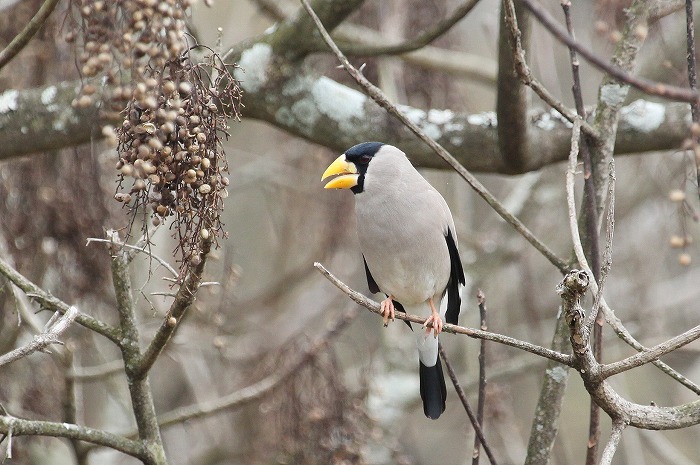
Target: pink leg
[433, 319]
[387, 310]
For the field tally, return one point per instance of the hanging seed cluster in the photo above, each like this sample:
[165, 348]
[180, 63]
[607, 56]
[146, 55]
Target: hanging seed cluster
[175, 112]
[121, 40]
[171, 163]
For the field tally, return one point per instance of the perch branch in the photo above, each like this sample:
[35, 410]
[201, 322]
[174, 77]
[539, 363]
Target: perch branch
[373, 307]
[615, 435]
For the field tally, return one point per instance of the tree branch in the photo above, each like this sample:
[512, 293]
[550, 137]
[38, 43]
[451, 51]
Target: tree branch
[31, 28]
[50, 302]
[373, 307]
[423, 39]
[615, 435]
[183, 300]
[667, 91]
[22, 427]
[50, 335]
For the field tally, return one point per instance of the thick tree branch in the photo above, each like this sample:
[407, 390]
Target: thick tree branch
[512, 98]
[139, 386]
[571, 289]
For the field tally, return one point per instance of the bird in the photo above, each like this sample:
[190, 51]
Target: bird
[409, 246]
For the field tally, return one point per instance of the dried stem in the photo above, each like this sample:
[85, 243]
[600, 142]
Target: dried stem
[693, 79]
[478, 432]
[481, 299]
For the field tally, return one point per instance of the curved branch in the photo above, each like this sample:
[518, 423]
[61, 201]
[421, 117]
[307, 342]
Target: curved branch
[183, 300]
[572, 288]
[420, 41]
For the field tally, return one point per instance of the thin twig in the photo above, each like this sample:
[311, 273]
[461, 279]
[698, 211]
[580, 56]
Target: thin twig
[50, 302]
[263, 387]
[479, 434]
[651, 354]
[670, 92]
[85, 374]
[420, 41]
[481, 400]
[373, 307]
[50, 335]
[618, 427]
[32, 27]
[183, 300]
[378, 96]
[142, 249]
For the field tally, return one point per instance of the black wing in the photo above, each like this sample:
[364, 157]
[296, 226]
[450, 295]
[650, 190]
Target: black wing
[373, 288]
[454, 301]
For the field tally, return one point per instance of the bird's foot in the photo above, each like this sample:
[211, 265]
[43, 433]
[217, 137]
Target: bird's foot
[387, 310]
[434, 319]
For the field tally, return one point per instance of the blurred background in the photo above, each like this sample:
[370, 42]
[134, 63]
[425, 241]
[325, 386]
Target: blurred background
[356, 400]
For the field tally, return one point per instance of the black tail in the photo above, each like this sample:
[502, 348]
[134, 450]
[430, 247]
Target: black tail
[432, 389]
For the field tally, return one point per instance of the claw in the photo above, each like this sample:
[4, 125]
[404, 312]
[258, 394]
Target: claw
[433, 319]
[387, 310]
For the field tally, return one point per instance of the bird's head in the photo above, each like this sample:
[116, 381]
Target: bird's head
[352, 167]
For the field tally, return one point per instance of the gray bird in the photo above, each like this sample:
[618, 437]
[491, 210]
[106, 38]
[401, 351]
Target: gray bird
[409, 245]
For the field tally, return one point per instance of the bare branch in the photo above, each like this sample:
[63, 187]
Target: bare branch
[571, 289]
[670, 92]
[479, 437]
[31, 28]
[22, 427]
[50, 335]
[618, 427]
[373, 307]
[263, 387]
[183, 300]
[420, 41]
[651, 354]
[52, 303]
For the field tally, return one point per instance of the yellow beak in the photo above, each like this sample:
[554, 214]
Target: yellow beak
[347, 169]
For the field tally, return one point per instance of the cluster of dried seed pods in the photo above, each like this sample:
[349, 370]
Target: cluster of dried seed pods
[169, 146]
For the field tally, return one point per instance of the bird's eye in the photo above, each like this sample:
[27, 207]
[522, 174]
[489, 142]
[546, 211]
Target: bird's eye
[364, 159]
